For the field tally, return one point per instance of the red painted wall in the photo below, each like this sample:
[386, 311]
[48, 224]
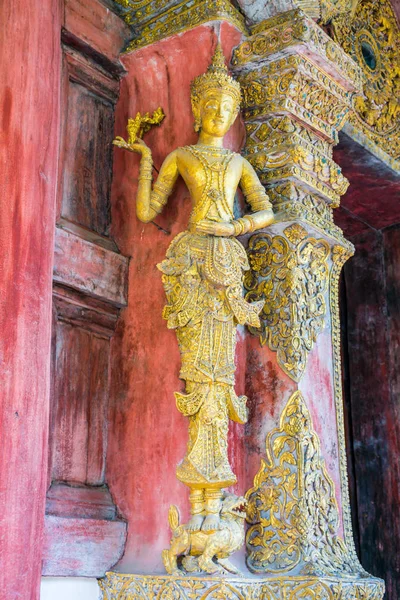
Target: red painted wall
[30, 59]
[148, 435]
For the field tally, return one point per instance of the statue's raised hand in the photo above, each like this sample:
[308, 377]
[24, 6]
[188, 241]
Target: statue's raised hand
[139, 146]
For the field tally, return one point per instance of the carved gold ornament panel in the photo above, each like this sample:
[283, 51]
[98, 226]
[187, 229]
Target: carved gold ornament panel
[294, 84]
[294, 28]
[372, 39]
[292, 508]
[333, 8]
[280, 148]
[155, 20]
[299, 204]
[290, 273]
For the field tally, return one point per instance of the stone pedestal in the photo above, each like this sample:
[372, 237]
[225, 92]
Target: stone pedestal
[140, 587]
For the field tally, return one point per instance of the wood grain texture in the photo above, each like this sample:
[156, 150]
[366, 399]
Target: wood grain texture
[87, 160]
[372, 406]
[80, 404]
[90, 269]
[97, 27]
[90, 280]
[84, 311]
[81, 547]
[389, 537]
[30, 56]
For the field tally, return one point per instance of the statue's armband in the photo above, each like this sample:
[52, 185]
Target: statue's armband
[253, 189]
[165, 183]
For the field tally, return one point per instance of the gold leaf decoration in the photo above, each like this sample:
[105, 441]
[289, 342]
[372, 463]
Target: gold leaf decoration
[290, 273]
[155, 20]
[293, 513]
[372, 38]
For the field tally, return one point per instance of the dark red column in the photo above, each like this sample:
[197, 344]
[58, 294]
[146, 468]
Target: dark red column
[30, 59]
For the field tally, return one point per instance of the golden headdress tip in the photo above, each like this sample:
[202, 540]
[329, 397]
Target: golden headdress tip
[216, 77]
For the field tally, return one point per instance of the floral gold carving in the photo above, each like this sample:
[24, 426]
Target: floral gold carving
[334, 8]
[290, 274]
[298, 204]
[155, 20]
[298, 87]
[276, 147]
[292, 510]
[294, 28]
[372, 38]
[294, 83]
[312, 8]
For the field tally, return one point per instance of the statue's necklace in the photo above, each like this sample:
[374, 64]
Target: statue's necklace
[214, 158]
[215, 163]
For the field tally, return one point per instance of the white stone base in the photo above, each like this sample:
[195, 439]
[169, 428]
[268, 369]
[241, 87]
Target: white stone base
[67, 588]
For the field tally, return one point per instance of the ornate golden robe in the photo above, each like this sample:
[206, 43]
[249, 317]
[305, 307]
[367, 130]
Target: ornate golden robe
[202, 277]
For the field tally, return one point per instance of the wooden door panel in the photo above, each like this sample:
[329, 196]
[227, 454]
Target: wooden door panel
[88, 160]
[97, 419]
[72, 398]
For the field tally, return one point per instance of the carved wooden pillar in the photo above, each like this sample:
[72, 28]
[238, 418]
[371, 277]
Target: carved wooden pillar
[298, 87]
[30, 102]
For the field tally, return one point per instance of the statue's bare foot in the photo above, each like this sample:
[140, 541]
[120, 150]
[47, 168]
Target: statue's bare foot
[195, 523]
[211, 523]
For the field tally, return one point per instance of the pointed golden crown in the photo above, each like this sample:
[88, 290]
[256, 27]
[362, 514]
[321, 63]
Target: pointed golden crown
[216, 77]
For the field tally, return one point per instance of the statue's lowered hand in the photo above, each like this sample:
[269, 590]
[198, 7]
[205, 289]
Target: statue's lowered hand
[224, 228]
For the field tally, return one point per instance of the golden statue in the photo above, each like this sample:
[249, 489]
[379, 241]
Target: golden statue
[202, 277]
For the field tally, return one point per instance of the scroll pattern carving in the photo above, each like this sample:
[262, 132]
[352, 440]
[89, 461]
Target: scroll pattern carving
[279, 148]
[300, 204]
[290, 273]
[295, 83]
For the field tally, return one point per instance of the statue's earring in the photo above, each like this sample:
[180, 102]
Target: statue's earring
[197, 125]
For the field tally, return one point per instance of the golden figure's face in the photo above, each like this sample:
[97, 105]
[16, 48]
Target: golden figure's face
[217, 113]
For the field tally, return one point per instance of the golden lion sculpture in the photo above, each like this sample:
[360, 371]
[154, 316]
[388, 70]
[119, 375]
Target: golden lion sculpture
[207, 551]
